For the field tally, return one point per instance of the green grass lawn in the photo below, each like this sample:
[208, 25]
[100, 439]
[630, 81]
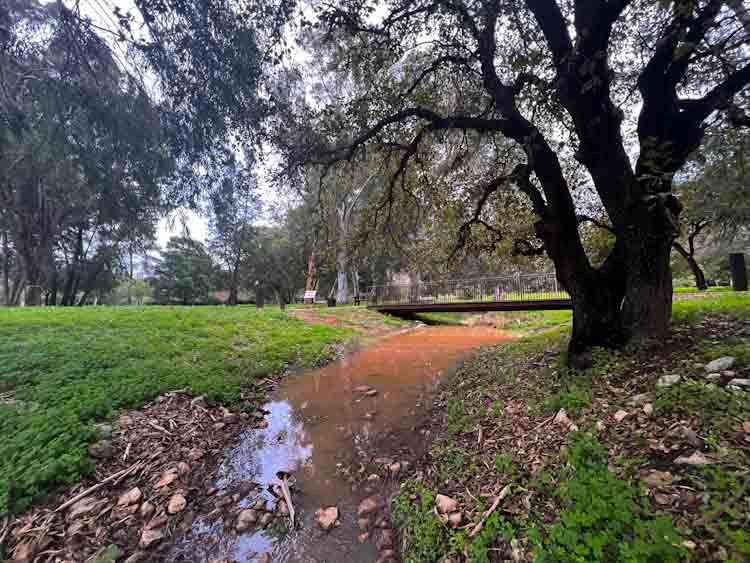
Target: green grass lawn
[64, 369]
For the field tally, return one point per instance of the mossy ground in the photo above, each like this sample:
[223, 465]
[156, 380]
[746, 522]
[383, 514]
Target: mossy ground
[612, 484]
[62, 370]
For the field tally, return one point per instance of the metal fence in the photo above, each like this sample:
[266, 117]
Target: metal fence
[527, 287]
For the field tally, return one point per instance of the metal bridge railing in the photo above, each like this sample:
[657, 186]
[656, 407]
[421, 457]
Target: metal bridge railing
[526, 287]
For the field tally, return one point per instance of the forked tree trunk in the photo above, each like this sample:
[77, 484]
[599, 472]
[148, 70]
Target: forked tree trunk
[629, 296]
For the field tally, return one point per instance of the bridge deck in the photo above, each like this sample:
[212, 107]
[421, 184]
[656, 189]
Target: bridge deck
[473, 306]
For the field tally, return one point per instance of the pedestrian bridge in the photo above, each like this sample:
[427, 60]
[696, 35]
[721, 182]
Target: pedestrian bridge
[527, 292]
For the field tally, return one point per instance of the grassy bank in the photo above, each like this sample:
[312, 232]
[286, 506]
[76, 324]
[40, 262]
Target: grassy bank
[618, 476]
[61, 370]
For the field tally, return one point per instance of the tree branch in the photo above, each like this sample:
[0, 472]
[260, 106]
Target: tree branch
[523, 247]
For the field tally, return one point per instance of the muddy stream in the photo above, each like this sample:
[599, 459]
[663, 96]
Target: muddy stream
[331, 429]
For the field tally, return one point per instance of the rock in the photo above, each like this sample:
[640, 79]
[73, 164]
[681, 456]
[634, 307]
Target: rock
[364, 524]
[621, 415]
[167, 478]
[746, 426]
[561, 418]
[131, 497]
[149, 538]
[245, 520]
[728, 374]
[363, 537]
[657, 478]
[82, 508]
[445, 504]
[229, 418]
[104, 429]
[176, 504]
[327, 517]
[662, 499]
[394, 468]
[668, 380]
[455, 519]
[367, 507]
[218, 426]
[648, 409]
[101, 450]
[714, 377]
[600, 426]
[373, 478]
[739, 382]
[147, 510]
[719, 364]
[371, 392]
[638, 400]
[386, 540]
[260, 504]
[183, 468]
[695, 459]
[362, 389]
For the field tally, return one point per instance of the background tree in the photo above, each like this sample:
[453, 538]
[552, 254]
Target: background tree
[234, 205]
[186, 273]
[558, 80]
[716, 198]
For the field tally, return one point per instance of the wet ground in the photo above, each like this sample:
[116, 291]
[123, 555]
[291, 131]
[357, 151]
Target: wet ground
[330, 429]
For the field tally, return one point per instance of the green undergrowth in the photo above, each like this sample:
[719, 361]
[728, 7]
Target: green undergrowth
[67, 368]
[603, 518]
[583, 501]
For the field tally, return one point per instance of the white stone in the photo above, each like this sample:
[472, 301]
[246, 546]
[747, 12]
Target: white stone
[668, 380]
[720, 364]
[739, 382]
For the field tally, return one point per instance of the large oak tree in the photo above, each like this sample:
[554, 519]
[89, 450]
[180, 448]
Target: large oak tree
[625, 88]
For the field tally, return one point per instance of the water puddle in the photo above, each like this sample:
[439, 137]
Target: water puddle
[328, 428]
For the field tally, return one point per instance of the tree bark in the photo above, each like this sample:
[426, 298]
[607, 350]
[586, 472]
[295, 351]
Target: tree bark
[6, 270]
[700, 277]
[342, 291]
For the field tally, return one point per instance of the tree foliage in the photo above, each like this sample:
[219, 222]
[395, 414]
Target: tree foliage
[574, 91]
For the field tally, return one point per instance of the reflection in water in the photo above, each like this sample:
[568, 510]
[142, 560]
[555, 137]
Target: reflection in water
[323, 421]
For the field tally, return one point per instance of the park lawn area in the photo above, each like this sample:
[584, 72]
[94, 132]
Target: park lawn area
[63, 369]
[630, 471]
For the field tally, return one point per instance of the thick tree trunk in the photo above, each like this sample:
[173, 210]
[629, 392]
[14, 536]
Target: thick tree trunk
[700, 277]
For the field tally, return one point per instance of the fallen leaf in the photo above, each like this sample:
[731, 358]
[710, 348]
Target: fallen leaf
[657, 478]
[697, 458]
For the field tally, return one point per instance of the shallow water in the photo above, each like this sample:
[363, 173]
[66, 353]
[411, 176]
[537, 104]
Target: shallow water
[329, 436]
